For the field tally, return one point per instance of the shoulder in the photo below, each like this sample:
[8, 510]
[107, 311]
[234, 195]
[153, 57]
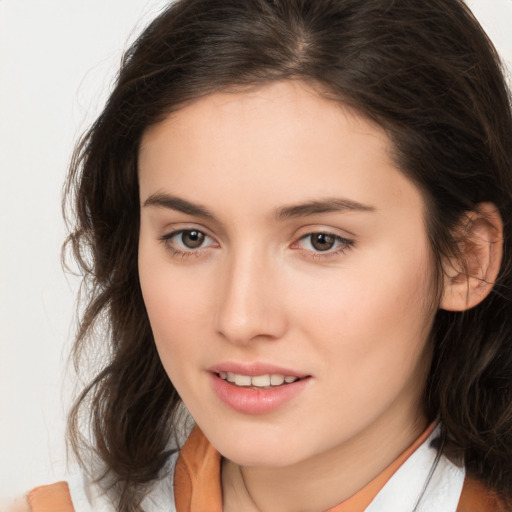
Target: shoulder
[475, 497]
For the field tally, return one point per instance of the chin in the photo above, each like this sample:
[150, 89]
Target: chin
[261, 457]
[258, 449]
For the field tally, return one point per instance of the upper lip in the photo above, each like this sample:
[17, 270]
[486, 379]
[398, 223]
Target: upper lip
[255, 368]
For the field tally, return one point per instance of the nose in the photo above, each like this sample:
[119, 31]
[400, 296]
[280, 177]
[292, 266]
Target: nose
[250, 303]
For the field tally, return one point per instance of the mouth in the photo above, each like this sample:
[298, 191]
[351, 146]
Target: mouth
[256, 388]
[264, 381]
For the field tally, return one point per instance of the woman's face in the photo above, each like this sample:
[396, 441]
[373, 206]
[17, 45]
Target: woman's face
[280, 248]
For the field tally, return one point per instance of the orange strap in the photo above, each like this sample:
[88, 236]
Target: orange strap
[476, 498]
[51, 498]
[197, 480]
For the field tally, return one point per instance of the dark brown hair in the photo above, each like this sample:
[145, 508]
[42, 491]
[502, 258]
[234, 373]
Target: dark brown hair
[423, 70]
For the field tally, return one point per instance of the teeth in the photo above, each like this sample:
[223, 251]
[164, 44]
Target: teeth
[258, 381]
[242, 380]
[261, 381]
[276, 380]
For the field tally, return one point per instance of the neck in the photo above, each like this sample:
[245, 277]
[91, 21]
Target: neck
[325, 480]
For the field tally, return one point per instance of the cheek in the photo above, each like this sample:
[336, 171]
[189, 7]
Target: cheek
[372, 320]
[179, 328]
[176, 305]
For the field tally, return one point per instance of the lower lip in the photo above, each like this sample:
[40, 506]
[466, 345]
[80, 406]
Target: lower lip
[256, 401]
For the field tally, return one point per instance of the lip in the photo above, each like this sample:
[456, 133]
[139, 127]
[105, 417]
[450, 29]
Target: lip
[253, 369]
[256, 401]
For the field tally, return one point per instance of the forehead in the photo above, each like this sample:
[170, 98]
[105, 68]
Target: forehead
[281, 137]
[290, 106]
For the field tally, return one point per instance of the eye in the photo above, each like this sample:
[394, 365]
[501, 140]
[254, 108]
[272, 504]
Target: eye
[321, 242]
[187, 240]
[192, 239]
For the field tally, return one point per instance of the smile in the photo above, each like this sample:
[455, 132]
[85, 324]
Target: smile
[258, 393]
[257, 381]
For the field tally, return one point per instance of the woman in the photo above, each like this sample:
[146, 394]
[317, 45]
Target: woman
[293, 219]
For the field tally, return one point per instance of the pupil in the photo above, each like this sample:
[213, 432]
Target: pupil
[322, 241]
[192, 239]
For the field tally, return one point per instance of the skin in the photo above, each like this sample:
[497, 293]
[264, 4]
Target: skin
[355, 318]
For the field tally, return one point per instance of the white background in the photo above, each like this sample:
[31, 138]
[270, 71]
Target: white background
[57, 62]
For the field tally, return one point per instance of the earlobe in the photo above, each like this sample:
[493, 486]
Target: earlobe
[470, 277]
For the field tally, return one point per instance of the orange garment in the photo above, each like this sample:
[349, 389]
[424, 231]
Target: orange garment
[476, 498]
[197, 484]
[51, 498]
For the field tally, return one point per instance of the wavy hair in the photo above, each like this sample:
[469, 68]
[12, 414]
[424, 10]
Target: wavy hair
[424, 71]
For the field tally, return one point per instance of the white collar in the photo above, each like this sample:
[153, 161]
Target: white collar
[407, 485]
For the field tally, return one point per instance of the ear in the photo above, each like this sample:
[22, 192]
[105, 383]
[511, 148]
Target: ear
[470, 277]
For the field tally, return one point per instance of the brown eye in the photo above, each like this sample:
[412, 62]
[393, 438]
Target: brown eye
[192, 239]
[322, 241]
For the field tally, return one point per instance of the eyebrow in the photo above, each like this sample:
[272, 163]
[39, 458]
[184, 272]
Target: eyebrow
[328, 205]
[178, 204]
[308, 208]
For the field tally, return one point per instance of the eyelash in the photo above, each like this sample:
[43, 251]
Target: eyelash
[344, 245]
